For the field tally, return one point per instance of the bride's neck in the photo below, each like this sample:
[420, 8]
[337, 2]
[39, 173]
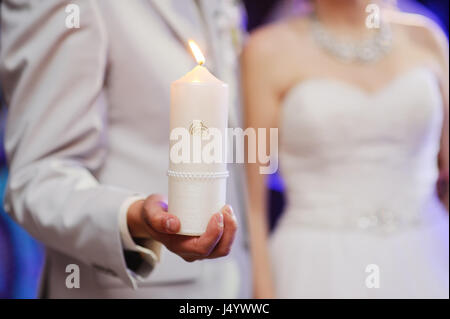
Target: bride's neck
[345, 15]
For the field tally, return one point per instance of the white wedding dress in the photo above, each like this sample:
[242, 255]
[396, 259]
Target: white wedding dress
[360, 171]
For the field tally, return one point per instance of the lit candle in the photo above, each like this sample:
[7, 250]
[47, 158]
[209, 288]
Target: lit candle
[197, 167]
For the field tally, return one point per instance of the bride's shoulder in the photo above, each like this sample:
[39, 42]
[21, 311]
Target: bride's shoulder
[271, 40]
[422, 31]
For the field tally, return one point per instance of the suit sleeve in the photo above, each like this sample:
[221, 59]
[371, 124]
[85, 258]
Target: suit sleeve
[56, 134]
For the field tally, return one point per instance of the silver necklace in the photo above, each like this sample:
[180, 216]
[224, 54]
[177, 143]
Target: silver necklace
[366, 51]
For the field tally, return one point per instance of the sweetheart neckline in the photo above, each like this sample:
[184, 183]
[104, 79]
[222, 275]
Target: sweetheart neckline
[366, 93]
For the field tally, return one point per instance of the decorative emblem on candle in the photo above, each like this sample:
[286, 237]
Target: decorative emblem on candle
[197, 188]
[198, 128]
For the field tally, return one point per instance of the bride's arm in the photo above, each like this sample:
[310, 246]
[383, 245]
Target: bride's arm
[444, 154]
[438, 44]
[261, 111]
[430, 36]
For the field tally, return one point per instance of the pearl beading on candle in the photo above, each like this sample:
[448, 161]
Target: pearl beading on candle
[198, 175]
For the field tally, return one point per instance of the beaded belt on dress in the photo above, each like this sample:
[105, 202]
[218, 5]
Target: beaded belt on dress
[381, 221]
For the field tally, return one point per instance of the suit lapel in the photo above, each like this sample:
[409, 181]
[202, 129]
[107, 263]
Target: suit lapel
[212, 10]
[183, 18]
[187, 22]
[209, 13]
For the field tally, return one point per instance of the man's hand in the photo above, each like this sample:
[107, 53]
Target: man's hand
[150, 219]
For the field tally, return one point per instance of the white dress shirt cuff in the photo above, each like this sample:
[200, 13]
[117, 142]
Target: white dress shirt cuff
[150, 253]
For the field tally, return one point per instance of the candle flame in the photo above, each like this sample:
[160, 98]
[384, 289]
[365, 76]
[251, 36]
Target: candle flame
[197, 52]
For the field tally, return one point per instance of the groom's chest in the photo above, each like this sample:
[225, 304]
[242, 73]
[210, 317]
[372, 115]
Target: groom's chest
[146, 54]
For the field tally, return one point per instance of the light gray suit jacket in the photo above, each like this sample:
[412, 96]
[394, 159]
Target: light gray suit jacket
[88, 128]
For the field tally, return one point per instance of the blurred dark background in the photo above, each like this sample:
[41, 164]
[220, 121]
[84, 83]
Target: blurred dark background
[21, 257]
[259, 11]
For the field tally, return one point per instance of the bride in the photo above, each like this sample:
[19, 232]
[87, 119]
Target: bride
[363, 116]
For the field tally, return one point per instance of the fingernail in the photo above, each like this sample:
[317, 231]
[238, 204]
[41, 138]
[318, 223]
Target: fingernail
[220, 220]
[230, 212]
[164, 205]
[170, 225]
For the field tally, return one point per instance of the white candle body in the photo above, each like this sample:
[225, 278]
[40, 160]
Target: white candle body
[198, 190]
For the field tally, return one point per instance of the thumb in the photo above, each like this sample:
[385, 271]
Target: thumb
[157, 218]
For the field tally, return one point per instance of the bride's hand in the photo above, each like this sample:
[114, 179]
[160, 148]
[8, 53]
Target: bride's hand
[443, 189]
[150, 219]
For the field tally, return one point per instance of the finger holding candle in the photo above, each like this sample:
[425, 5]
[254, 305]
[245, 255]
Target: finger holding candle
[223, 248]
[216, 242]
[192, 248]
[147, 219]
[206, 243]
[156, 217]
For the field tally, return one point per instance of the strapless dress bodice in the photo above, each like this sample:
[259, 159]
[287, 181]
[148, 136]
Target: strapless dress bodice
[350, 158]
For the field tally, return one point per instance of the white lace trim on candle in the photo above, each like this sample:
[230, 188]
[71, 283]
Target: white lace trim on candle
[198, 175]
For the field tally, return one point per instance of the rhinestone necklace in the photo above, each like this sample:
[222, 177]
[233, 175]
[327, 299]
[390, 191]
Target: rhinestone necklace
[367, 50]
